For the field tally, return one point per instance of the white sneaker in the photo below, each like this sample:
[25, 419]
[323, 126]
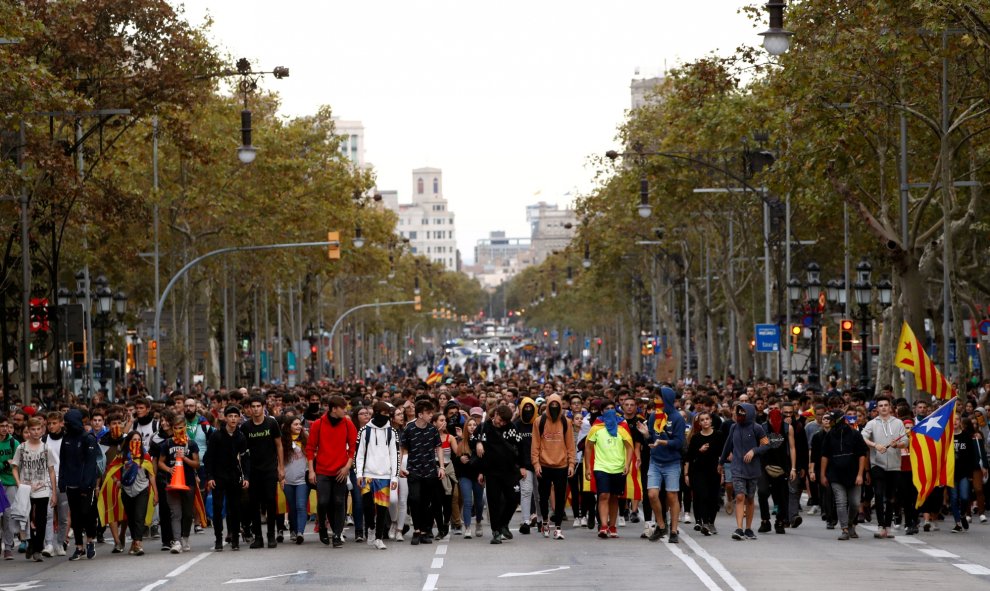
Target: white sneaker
[185, 545]
[557, 534]
[349, 521]
[467, 533]
[48, 551]
[59, 550]
[478, 531]
[380, 545]
[398, 537]
[812, 510]
[584, 521]
[176, 547]
[687, 518]
[621, 522]
[983, 518]
[577, 522]
[391, 532]
[371, 541]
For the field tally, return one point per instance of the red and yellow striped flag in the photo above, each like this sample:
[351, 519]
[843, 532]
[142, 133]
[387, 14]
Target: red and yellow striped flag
[933, 453]
[911, 356]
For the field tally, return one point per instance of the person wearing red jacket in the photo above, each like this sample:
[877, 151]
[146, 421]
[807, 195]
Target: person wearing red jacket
[330, 454]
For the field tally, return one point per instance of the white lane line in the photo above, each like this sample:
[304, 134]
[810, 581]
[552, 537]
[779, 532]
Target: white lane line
[716, 565]
[974, 569]
[431, 582]
[936, 553]
[909, 540]
[691, 564]
[184, 567]
[441, 550]
[437, 563]
[151, 586]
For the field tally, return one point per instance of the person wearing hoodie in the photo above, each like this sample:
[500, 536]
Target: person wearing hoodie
[553, 455]
[378, 466]
[497, 448]
[608, 455]
[745, 442]
[77, 478]
[666, 435]
[779, 470]
[885, 436]
[844, 455]
[529, 494]
[330, 451]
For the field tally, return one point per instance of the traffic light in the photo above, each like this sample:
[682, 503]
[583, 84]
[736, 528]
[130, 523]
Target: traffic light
[417, 303]
[796, 331]
[333, 250]
[153, 353]
[845, 335]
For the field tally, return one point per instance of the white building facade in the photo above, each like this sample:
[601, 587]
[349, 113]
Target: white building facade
[427, 222]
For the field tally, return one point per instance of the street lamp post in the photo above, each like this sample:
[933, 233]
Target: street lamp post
[863, 290]
[812, 306]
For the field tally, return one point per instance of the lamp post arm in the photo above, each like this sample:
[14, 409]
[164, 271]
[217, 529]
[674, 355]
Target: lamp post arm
[156, 387]
[333, 331]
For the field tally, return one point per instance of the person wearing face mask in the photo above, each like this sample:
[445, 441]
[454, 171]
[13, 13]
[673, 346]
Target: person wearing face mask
[554, 456]
[378, 466]
[128, 493]
[528, 493]
[313, 410]
[746, 442]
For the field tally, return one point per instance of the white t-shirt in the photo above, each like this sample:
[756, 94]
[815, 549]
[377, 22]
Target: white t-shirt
[33, 465]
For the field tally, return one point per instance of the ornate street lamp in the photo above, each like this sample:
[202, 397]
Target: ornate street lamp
[776, 40]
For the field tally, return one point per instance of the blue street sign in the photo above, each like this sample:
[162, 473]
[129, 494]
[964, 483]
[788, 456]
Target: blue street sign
[767, 338]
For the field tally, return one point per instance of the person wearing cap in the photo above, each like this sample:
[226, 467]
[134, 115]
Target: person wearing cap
[226, 462]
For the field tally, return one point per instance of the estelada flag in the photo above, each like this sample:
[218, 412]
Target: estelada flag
[108, 503]
[911, 356]
[437, 374]
[622, 432]
[933, 455]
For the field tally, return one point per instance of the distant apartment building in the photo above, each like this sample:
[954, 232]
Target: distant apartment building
[551, 229]
[351, 134]
[643, 89]
[426, 222]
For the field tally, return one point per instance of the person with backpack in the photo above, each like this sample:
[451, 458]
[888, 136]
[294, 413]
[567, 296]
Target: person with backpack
[128, 494]
[554, 457]
[227, 461]
[198, 429]
[33, 464]
[78, 476]
[330, 452]
[378, 466]
[779, 467]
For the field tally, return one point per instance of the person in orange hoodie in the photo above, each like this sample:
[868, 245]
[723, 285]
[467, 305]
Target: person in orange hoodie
[554, 457]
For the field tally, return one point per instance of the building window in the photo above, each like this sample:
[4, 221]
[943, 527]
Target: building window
[412, 235]
[427, 250]
[426, 221]
[436, 185]
[419, 186]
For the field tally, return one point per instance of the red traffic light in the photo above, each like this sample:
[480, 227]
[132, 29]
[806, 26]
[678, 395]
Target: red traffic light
[312, 349]
[846, 324]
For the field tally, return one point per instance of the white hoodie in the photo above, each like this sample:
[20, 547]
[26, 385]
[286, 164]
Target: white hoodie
[377, 452]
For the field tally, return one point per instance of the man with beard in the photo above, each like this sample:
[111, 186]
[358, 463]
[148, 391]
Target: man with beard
[553, 456]
[198, 429]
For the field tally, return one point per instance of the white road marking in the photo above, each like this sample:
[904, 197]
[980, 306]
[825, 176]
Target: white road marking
[936, 553]
[691, 564]
[441, 550]
[534, 573]
[184, 567]
[431, 582]
[298, 572]
[157, 583]
[974, 569]
[437, 563]
[909, 540]
[21, 586]
[716, 565]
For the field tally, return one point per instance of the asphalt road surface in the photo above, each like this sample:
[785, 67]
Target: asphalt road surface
[808, 557]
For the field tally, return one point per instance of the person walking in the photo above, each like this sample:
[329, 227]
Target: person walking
[378, 466]
[77, 477]
[330, 452]
[844, 456]
[608, 455]
[498, 449]
[227, 462]
[701, 471]
[466, 467]
[33, 464]
[264, 443]
[665, 433]
[553, 457]
[886, 437]
[424, 469]
[745, 443]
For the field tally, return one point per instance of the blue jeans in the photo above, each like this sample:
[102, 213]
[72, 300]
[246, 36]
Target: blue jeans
[472, 499]
[959, 498]
[357, 507]
[296, 496]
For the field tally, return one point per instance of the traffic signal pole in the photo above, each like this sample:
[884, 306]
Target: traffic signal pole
[156, 329]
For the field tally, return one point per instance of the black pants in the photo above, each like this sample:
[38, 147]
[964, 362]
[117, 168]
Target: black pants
[907, 496]
[331, 501]
[827, 500]
[137, 510]
[777, 488]
[706, 490]
[229, 491]
[424, 496]
[370, 511]
[382, 521]
[262, 496]
[577, 499]
[885, 491]
[443, 507]
[39, 511]
[555, 478]
[164, 513]
[83, 519]
[501, 500]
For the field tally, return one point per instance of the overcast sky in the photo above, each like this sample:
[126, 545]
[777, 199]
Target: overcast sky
[510, 98]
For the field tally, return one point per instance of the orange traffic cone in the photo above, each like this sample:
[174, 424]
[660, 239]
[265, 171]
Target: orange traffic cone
[178, 481]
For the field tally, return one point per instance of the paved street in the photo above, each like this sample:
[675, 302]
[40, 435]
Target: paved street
[807, 556]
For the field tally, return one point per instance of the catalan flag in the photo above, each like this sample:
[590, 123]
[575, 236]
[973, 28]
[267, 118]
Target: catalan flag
[933, 454]
[437, 373]
[911, 356]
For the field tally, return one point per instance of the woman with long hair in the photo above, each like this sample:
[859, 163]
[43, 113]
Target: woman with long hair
[701, 471]
[441, 513]
[296, 490]
[398, 498]
[467, 470]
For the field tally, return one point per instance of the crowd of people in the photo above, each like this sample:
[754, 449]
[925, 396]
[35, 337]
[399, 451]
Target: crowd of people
[398, 460]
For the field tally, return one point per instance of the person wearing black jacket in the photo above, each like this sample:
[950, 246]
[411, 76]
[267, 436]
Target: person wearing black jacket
[77, 478]
[844, 455]
[498, 449]
[226, 462]
[467, 469]
[796, 422]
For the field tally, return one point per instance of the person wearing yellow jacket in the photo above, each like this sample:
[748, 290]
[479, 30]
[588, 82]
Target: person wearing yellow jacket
[554, 455]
